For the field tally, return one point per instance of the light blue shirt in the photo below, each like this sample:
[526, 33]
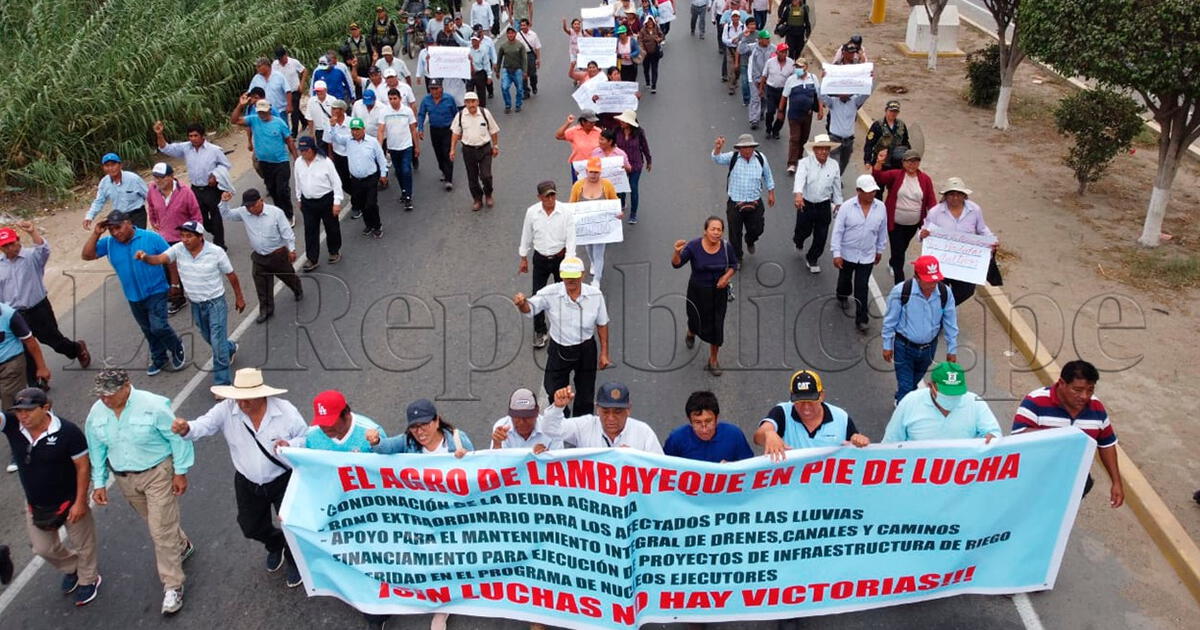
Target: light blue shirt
[748, 179]
[128, 196]
[275, 88]
[842, 115]
[920, 319]
[917, 418]
[364, 157]
[270, 138]
[139, 440]
[21, 284]
[481, 59]
[266, 232]
[11, 345]
[856, 237]
[200, 162]
[355, 440]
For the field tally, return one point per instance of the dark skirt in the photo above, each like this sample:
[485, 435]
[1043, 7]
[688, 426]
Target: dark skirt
[706, 312]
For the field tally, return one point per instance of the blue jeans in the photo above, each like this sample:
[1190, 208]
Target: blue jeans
[634, 176]
[211, 318]
[512, 78]
[911, 364]
[151, 316]
[402, 165]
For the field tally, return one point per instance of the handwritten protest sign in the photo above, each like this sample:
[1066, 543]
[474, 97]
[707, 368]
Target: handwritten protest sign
[850, 79]
[962, 256]
[602, 50]
[611, 168]
[597, 222]
[583, 94]
[596, 17]
[618, 538]
[449, 62]
[615, 96]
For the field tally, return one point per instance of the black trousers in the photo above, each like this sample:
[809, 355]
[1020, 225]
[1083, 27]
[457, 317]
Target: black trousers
[341, 164]
[813, 220]
[752, 222]
[138, 217]
[439, 137]
[43, 324]
[364, 196]
[277, 177]
[265, 268]
[209, 199]
[531, 71]
[629, 72]
[898, 239]
[318, 212]
[496, 20]
[479, 85]
[651, 69]
[478, 161]
[561, 362]
[296, 116]
[254, 503]
[795, 42]
[961, 290]
[770, 107]
[852, 280]
[543, 268]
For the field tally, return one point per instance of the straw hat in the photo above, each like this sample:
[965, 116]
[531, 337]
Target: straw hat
[628, 116]
[955, 184]
[821, 140]
[247, 383]
[745, 141]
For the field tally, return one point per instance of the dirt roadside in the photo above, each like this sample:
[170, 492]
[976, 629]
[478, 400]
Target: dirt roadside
[1071, 262]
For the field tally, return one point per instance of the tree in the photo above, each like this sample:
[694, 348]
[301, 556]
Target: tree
[1103, 124]
[1149, 47]
[1011, 54]
[933, 9]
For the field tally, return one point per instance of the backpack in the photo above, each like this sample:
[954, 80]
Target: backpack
[906, 292]
[762, 162]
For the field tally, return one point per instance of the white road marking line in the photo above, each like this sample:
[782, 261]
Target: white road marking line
[1025, 609]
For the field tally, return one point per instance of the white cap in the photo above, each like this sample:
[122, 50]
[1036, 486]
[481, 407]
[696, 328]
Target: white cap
[263, 105]
[386, 50]
[866, 183]
[470, 96]
[390, 72]
[320, 85]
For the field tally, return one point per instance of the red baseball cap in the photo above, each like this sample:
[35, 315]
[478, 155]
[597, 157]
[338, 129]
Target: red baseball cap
[928, 269]
[327, 408]
[8, 235]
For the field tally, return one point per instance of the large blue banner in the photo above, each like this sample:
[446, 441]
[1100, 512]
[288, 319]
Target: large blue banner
[603, 538]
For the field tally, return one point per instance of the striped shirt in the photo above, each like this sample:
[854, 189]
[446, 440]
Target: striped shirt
[1041, 410]
[202, 275]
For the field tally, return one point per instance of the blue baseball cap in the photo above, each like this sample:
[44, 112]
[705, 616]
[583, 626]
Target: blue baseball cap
[307, 142]
[369, 97]
[613, 395]
[420, 411]
[110, 157]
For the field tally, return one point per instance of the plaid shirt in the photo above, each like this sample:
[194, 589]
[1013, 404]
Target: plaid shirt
[747, 180]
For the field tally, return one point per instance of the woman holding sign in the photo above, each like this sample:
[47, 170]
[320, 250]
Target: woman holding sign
[957, 214]
[713, 265]
[591, 188]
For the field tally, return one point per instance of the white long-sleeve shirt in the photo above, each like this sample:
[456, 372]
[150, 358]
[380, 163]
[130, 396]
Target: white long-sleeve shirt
[588, 432]
[547, 234]
[317, 179]
[282, 421]
[818, 182]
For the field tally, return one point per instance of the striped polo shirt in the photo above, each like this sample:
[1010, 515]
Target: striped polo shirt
[1041, 409]
[202, 275]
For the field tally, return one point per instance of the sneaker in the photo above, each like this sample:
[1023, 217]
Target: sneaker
[11, 467]
[518, 110]
[814, 268]
[539, 340]
[274, 560]
[753, 126]
[654, 90]
[633, 220]
[408, 205]
[70, 582]
[731, 296]
[87, 593]
[310, 265]
[366, 231]
[178, 360]
[293, 575]
[355, 213]
[151, 370]
[172, 601]
[175, 307]
[187, 552]
[449, 186]
[335, 259]
[750, 247]
[377, 233]
[791, 170]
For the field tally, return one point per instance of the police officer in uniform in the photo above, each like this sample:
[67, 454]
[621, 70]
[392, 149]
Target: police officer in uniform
[806, 422]
[888, 133]
[794, 14]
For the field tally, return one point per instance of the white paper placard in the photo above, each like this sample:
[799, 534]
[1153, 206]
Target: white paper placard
[615, 96]
[849, 79]
[597, 222]
[602, 50]
[611, 168]
[583, 94]
[961, 256]
[596, 17]
[449, 62]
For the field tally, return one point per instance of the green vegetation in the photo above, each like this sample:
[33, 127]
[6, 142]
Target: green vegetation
[90, 76]
[1176, 270]
[1103, 124]
[983, 75]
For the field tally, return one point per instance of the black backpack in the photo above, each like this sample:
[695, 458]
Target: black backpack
[907, 289]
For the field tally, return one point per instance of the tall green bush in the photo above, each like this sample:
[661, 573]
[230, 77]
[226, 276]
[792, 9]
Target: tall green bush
[85, 77]
[983, 76]
[1103, 124]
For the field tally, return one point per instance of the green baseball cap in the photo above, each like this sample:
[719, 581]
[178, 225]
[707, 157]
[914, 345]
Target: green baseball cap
[357, 123]
[950, 378]
[764, 34]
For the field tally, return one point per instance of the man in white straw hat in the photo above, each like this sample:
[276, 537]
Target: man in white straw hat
[253, 418]
[818, 189]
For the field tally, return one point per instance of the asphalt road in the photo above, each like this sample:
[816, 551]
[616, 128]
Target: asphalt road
[424, 312]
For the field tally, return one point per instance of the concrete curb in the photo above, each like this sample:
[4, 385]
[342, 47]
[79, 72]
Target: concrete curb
[1154, 515]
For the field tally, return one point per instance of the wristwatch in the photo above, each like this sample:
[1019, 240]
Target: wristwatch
[176, 286]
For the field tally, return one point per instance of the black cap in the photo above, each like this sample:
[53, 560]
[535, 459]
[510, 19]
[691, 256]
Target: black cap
[251, 196]
[117, 217]
[29, 398]
[806, 385]
[433, 83]
[420, 411]
[613, 395]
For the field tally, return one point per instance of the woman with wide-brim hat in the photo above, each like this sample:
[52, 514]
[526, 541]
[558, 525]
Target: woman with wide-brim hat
[957, 213]
[631, 139]
[910, 195]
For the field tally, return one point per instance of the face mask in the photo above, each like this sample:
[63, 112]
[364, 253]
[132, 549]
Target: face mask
[800, 72]
[947, 402]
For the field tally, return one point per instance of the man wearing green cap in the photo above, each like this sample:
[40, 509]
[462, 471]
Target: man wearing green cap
[367, 166]
[944, 411]
[756, 67]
